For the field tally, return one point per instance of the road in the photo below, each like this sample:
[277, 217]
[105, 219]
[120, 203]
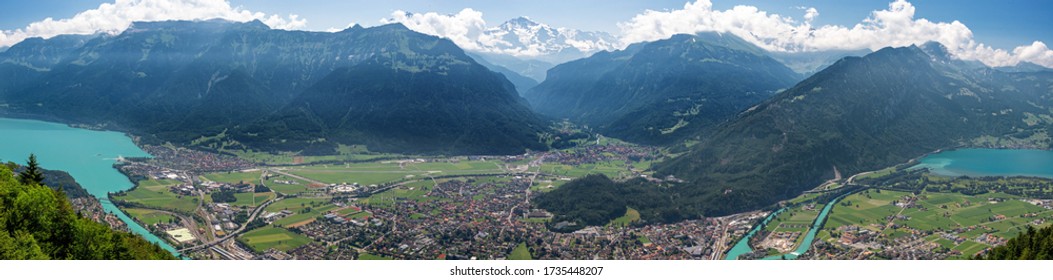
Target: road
[540, 159]
[312, 181]
[235, 233]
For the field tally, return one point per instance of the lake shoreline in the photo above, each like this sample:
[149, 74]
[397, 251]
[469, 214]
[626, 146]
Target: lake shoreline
[87, 155]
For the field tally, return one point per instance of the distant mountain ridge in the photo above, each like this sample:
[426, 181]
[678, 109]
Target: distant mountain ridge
[185, 82]
[529, 48]
[523, 37]
[663, 91]
[857, 115]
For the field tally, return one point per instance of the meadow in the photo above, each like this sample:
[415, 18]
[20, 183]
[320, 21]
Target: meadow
[265, 238]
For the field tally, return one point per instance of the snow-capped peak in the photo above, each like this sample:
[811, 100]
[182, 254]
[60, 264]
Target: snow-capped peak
[522, 36]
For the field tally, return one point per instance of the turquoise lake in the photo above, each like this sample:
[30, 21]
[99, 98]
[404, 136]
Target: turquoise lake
[990, 162]
[964, 162]
[87, 155]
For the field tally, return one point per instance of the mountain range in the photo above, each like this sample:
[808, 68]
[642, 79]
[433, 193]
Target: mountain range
[523, 37]
[748, 128]
[191, 81]
[529, 48]
[858, 115]
[663, 91]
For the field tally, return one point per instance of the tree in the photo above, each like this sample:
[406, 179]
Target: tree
[40, 223]
[32, 174]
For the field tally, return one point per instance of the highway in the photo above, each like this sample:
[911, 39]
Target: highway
[235, 233]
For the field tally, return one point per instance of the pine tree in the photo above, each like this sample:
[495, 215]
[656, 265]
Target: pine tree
[32, 174]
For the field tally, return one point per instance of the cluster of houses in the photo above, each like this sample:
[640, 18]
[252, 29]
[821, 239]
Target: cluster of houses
[854, 234]
[270, 217]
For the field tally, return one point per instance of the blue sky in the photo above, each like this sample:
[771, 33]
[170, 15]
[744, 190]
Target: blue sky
[1002, 24]
[997, 33]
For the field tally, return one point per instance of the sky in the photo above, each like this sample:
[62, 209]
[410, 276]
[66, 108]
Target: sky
[995, 32]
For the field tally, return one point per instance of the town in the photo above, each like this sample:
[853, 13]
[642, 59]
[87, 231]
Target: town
[212, 206]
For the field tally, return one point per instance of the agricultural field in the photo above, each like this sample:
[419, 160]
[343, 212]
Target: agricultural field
[155, 194]
[299, 207]
[864, 209]
[150, 216]
[393, 171]
[265, 238]
[416, 192]
[296, 188]
[954, 221]
[796, 219]
[296, 204]
[246, 199]
[344, 153]
[252, 177]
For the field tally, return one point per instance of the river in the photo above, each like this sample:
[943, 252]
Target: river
[87, 155]
[963, 162]
[743, 246]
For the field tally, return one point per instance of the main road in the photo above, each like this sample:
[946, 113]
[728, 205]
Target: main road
[235, 233]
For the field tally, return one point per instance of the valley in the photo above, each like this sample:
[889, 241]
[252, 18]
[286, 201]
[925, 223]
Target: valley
[230, 139]
[413, 207]
[907, 212]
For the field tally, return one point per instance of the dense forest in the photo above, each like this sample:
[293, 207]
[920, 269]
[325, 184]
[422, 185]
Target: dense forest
[37, 222]
[56, 179]
[1030, 245]
[595, 200]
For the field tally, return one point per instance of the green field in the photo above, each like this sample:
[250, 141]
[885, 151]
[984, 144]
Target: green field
[246, 199]
[387, 198]
[158, 184]
[344, 153]
[996, 213]
[795, 219]
[150, 216]
[878, 173]
[155, 194]
[235, 177]
[387, 172]
[285, 188]
[297, 205]
[521, 252]
[865, 208]
[631, 215]
[281, 239]
[316, 212]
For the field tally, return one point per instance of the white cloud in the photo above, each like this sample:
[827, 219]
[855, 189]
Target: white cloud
[810, 14]
[465, 28]
[895, 26]
[117, 16]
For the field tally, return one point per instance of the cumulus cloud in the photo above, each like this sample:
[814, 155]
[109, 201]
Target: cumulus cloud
[810, 13]
[465, 28]
[895, 26]
[117, 16]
